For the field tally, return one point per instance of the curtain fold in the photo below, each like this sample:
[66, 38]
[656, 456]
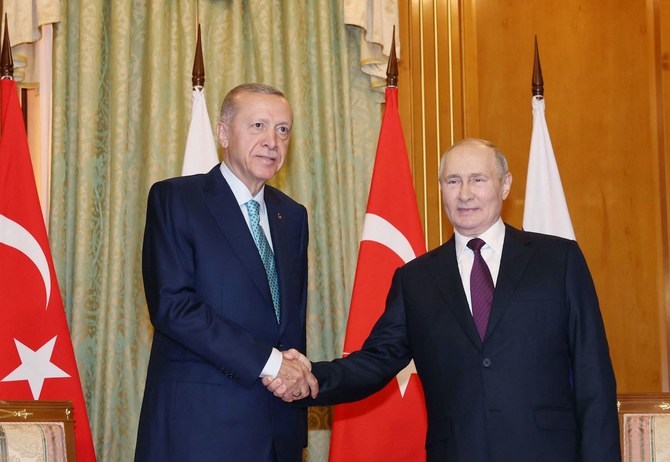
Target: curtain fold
[377, 18]
[122, 102]
[30, 25]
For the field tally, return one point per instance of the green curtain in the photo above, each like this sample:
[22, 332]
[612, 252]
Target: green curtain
[122, 104]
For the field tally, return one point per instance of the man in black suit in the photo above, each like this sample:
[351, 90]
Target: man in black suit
[516, 373]
[225, 274]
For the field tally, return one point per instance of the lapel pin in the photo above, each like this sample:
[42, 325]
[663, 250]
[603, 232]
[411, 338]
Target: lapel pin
[279, 217]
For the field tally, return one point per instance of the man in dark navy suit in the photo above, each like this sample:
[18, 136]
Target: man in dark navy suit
[225, 274]
[504, 328]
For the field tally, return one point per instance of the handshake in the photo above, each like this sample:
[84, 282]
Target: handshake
[295, 379]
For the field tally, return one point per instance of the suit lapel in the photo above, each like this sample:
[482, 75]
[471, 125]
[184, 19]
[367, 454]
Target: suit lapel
[222, 204]
[444, 268]
[516, 254]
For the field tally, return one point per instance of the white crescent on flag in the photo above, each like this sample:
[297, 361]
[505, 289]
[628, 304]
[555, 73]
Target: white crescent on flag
[377, 229]
[14, 235]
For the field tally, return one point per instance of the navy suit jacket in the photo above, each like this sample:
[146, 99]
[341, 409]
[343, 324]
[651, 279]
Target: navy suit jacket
[539, 388]
[215, 326]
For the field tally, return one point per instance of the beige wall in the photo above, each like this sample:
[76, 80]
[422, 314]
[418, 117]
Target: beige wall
[467, 71]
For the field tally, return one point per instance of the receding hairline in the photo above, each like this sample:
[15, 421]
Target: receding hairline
[501, 160]
[229, 106]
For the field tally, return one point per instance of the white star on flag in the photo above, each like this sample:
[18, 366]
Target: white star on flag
[404, 376]
[36, 366]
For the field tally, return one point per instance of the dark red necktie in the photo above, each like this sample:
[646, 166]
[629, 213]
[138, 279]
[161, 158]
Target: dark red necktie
[481, 288]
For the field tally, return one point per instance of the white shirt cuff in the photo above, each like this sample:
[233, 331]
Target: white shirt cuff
[271, 368]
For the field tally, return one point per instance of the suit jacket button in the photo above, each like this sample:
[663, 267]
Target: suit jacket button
[486, 362]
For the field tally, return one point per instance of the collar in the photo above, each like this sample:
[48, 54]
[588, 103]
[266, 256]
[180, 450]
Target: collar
[494, 238]
[240, 191]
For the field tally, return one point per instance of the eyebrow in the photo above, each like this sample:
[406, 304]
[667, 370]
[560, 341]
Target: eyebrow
[471, 175]
[266, 120]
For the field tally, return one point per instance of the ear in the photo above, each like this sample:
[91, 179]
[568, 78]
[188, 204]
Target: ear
[507, 184]
[441, 184]
[222, 134]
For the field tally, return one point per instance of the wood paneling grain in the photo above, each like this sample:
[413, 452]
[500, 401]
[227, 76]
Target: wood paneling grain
[605, 67]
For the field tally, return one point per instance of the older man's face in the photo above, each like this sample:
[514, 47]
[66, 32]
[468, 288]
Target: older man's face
[255, 141]
[472, 190]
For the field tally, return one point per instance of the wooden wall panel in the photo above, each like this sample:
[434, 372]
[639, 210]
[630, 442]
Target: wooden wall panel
[468, 73]
[662, 60]
[423, 103]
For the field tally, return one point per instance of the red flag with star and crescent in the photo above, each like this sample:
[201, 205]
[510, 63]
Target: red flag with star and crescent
[391, 424]
[37, 360]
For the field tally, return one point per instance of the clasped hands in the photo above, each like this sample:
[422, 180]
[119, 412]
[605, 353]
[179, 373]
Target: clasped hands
[295, 379]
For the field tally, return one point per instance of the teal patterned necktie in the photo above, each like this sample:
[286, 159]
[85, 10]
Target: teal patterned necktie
[264, 249]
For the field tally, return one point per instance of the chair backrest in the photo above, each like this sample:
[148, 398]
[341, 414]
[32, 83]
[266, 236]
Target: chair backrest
[45, 426]
[644, 422]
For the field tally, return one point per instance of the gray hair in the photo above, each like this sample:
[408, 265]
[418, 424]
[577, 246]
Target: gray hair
[503, 167]
[229, 106]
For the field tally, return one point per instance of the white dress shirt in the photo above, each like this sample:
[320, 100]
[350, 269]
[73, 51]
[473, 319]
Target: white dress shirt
[494, 238]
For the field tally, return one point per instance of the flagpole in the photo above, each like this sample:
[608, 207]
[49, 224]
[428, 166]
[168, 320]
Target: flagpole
[6, 62]
[392, 68]
[2, 10]
[198, 74]
[538, 81]
[200, 152]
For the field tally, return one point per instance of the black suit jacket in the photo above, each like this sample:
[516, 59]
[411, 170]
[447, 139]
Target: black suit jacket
[540, 387]
[215, 325]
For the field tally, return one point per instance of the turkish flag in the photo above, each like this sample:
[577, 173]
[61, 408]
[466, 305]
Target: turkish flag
[36, 356]
[391, 424]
